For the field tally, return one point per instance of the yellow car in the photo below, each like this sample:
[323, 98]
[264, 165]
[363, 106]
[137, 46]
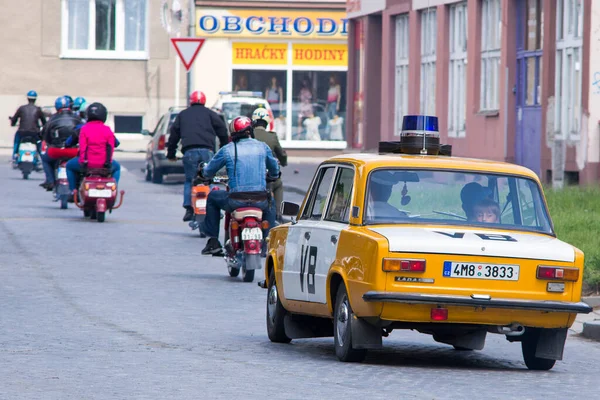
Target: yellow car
[413, 238]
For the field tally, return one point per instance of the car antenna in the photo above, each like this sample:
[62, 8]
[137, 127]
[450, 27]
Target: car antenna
[425, 86]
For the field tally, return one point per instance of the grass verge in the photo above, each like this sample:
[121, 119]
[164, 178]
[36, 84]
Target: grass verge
[575, 212]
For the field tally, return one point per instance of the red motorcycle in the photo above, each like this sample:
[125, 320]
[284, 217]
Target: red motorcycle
[97, 194]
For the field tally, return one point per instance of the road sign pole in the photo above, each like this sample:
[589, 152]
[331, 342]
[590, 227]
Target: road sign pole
[177, 78]
[191, 33]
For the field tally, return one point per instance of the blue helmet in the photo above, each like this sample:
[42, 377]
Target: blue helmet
[78, 102]
[69, 100]
[61, 102]
[32, 95]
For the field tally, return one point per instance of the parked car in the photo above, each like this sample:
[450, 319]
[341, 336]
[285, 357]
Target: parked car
[414, 238]
[235, 104]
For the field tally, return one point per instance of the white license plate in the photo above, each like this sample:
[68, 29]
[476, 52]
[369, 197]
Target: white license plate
[27, 157]
[201, 203]
[252, 234]
[99, 193]
[62, 173]
[499, 272]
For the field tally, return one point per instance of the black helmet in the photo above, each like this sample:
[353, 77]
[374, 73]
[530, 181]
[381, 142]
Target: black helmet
[96, 112]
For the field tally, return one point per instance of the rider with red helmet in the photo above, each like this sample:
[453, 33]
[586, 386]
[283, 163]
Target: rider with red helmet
[196, 127]
[247, 161]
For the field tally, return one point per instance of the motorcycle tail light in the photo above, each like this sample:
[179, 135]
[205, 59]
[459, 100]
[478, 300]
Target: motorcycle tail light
[265, 224]
[235, 225]
[100, 186]
[87, 186]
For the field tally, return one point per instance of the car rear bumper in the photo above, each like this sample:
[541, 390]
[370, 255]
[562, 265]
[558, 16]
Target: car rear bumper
[167, 167]
[515, 304]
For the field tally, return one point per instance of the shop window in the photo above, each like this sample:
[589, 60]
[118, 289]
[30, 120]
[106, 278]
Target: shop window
[105, 29]
[401, 90]
[569, 42]
[491, 22]
[458, 69]
[128, 123]
[428, 60]
[318, 105]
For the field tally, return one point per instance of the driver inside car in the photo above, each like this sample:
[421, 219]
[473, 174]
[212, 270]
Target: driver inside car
[380, 190]
[247, 161]
[471, 195]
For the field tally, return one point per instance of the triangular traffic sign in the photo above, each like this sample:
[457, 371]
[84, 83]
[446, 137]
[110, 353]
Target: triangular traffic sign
[187, 49]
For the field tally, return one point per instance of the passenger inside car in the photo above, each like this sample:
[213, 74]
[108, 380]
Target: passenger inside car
[470, 195]
[380, 190]
[488, 211]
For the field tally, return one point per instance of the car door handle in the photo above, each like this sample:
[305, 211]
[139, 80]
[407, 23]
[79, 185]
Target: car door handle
[333, 239]
[306, 235]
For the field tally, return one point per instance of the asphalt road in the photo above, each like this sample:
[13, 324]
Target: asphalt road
[129, 309]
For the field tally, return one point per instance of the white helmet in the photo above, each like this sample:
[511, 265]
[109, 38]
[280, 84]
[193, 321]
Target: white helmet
[261, 113]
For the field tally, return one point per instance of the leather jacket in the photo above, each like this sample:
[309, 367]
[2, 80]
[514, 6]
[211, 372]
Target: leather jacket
[28, 117]
[59, 127]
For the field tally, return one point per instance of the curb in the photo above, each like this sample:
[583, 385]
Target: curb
[295, 190]
[591, 330]
[592, 301]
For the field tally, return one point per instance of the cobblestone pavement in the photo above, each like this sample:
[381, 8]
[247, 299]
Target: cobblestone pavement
[129, 309]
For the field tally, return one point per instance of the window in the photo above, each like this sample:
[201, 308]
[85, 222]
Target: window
[128, 123]
[569, 41]
[339, 209]
[401, 91]
[318, 198]
[105, 29]
[457, 198]
[428, 48]
[457, 87]
[491, 22]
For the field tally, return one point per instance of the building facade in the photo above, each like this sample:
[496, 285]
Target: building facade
[293, 52]
[112, 51]
[510, 80]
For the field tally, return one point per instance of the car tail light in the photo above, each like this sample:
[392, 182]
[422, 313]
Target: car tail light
[400, 265]
[557, 273]
[439, 314]
[161, 142]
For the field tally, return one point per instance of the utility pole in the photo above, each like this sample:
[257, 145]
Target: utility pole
[191, 33]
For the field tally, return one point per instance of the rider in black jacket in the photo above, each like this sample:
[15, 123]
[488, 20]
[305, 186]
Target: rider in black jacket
[196, 127]
[59, 128]
[29, 117]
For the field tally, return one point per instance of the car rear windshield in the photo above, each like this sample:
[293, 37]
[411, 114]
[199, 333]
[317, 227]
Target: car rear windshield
[236, 109]
[399, 196]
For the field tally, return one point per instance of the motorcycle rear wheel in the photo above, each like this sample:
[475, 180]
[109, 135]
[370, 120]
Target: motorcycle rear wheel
[247, 275]
[233, 272]
[100, 216]
[64, 201]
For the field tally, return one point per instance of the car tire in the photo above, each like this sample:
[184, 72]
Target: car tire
[157, 176]
[459, 348]
[528, 347]
[148, 173]
[342, 332]
[275, 313]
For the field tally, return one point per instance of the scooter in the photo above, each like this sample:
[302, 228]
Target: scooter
[61, 185]
[200, 191]
[97, 194]
[27, 160]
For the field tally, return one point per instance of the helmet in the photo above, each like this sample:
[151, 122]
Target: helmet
[261, 113]
[197, 97]
[240, 127]
[69, 99]
[61, 102]
[96, 112]
[78, 102]
[82, 109]
[32, 95]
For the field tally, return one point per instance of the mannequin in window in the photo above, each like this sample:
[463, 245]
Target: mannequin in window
[305, 97]
[312, 123]
[335, 128]
[274, 95]
[334, 96]
[242, 83]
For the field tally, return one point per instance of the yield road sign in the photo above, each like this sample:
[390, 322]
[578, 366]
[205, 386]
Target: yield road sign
[187, 49]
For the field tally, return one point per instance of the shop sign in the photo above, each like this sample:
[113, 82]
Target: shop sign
[251, 23]
[320, 54]
[259, 53]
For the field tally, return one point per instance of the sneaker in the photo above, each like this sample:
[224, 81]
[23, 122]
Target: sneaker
[213, 246]
[189, 214]
[49, 187]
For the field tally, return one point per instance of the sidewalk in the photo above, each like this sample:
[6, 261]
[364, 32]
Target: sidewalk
[588, 325]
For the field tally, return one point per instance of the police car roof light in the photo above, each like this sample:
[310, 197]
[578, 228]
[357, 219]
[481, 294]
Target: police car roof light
[420, 135]
[420, 124]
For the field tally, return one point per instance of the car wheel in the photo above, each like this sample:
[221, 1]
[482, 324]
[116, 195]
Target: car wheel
[148, 173]
[528, 347]
[459, 348]
[157, 176]
[342, 332]
[275, 313]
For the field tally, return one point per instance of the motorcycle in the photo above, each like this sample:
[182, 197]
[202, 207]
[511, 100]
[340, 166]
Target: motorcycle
[97, 193]
[61, 190]
[27, 159]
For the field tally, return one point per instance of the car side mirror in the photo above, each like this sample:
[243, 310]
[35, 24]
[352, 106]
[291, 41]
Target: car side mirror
[289, 209]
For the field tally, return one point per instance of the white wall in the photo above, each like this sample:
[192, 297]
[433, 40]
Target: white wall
[212, 69]
[594, 89]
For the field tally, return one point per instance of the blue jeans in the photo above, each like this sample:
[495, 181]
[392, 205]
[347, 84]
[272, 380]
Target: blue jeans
[219, 200]
[191, 159]
[17, 142]
[49, 165]
[74, 169]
